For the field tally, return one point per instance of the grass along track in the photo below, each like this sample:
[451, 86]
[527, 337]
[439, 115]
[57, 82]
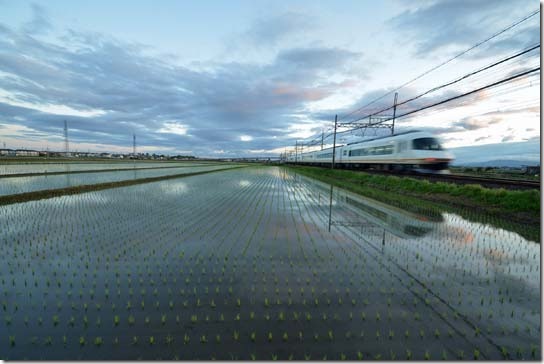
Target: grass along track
[44, 194]
[515, 210]
[487, 182]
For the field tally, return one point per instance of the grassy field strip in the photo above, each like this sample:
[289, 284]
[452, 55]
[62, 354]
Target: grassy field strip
[44, 194]
[31, 174]
[517, 210]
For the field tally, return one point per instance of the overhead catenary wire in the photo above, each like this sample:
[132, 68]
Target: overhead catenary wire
[452, 82]
[474, 78]
[450, 99]
[508, 79]
[444, 63]
[401, 105]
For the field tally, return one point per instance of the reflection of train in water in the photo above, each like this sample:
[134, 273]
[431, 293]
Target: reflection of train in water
[360, 210]
[413, 150]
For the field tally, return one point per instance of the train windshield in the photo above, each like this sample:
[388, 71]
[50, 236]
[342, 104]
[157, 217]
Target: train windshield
[427, 144]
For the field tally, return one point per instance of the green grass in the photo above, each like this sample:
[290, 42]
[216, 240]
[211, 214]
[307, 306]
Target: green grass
[516, 210]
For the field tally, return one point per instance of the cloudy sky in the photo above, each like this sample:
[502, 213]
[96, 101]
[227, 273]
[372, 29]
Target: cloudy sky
[245, 78]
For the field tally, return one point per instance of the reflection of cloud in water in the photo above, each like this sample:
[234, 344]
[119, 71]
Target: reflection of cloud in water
[174, 188]
[508, 252]
[464, 232]
[244, 183]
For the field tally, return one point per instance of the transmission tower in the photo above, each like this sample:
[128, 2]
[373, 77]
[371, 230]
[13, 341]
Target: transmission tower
[66, 145]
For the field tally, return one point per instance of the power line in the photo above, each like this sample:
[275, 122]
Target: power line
[453, 82]
[497, 83]
[318, 139]
[470, 92]
[446, 62]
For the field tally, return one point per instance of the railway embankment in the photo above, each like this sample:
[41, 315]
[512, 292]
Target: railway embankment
[518, 210]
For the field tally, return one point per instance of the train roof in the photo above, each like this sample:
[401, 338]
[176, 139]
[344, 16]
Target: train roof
[368, 140]
[387, 136]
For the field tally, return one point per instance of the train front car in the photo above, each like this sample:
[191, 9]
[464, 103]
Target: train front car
[428, 154]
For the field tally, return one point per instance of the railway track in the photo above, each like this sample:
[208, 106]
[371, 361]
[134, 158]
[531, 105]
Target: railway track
[511, 184]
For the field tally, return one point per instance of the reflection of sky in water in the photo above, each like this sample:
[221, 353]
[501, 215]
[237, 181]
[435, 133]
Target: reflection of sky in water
[244, 183]
[174, 188]
[17, 185]
[504, 252]
[12, 168]
[456, 242]
[490, 276]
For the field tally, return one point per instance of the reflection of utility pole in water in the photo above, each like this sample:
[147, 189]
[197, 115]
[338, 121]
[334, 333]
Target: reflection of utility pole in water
[67, 171]
[134, 153]
[330, 209]
[134, 150]
[383, 242]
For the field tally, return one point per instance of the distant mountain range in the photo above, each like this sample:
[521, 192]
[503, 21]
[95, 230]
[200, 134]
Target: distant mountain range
[499, 163]
[514, 154]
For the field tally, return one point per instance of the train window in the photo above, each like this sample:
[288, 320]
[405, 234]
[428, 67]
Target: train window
[427, 144]
[388, 149]
[345, 152]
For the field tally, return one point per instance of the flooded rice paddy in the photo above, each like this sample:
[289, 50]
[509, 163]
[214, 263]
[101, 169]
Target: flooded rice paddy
[15, 185]
[52, 167]
[259, 263]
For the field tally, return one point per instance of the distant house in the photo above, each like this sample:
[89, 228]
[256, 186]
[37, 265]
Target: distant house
[7, 152]
[26, 153]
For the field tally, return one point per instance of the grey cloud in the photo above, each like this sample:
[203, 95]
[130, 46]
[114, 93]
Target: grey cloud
[140, 94]
[439, 24]
[481, 138]
[475, 123]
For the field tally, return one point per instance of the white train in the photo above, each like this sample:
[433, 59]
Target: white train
[410, 151]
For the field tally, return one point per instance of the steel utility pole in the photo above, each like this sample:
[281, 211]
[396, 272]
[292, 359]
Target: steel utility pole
[394, 113]
[134, 145]
[334, 141]
[66, 146]
[296, 152]
[322, 137]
